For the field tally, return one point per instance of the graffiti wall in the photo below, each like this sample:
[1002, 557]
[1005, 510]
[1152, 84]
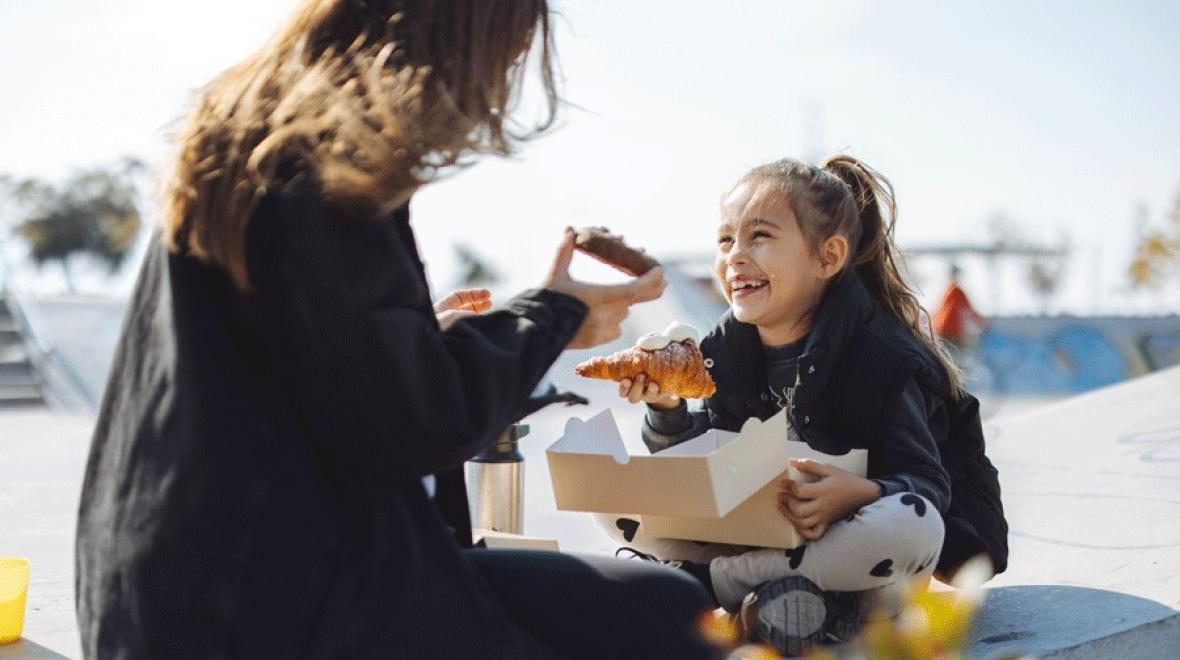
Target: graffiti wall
[1049, 355]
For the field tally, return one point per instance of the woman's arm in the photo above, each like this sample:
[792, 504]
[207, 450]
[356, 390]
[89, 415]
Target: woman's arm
[389, 392]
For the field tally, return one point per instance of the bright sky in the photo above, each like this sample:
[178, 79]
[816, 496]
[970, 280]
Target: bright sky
[1060, 114]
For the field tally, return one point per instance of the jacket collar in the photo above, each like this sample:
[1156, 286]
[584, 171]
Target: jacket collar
[737, 350]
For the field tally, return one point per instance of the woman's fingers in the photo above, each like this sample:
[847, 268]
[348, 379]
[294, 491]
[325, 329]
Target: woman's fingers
[471, 300]
[559, 271]
[474, 300]
[649, 286]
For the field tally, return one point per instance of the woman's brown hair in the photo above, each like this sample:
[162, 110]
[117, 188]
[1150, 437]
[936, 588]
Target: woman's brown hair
[845, 196]
[373, 97]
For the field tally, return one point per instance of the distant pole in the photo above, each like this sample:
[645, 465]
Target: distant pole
[1096, 283]
[813, 131]
[993, 275]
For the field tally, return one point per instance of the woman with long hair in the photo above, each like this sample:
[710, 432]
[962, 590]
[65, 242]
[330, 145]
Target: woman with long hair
[276, 469]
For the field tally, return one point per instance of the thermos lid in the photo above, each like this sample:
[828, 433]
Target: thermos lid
[505, 449]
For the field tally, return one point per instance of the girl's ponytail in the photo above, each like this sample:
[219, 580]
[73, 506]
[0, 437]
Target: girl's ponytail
[875, 257]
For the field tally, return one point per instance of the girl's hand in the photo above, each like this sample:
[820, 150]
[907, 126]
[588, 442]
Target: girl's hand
[608, 303]
[647, 392]
[812, 507]
[460, 304]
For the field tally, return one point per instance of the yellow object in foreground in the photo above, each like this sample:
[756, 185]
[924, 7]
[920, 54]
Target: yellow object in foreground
[14, 588]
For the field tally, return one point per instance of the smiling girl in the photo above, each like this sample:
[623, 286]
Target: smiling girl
[822, 323]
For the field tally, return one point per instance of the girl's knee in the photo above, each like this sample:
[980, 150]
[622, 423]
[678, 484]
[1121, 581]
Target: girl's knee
[904, 520]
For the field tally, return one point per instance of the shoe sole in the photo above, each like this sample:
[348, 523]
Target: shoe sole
[791, 614]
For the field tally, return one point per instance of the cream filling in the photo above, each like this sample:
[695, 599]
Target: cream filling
[678, 332]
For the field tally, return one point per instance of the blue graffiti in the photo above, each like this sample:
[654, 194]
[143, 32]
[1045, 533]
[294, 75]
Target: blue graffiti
[1073, 359]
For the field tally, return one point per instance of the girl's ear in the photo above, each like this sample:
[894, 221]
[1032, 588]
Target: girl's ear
[833, 254]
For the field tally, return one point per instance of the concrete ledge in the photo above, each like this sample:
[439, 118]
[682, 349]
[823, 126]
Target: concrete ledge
[1045, 619]
[1147, 642]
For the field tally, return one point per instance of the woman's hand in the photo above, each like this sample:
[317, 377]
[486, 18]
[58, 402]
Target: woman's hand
[813, 507]
[608, 303]
[460, 304]
[647, 392]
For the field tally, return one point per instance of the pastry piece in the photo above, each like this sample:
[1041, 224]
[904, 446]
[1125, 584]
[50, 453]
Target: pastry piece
[671, 359]
[610, 249]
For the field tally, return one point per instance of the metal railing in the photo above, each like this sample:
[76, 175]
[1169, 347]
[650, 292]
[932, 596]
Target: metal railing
[45, 357]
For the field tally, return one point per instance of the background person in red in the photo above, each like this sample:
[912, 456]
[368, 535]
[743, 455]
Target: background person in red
[955, 321]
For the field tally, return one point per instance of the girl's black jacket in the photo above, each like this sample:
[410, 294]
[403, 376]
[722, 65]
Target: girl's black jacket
[864, 382]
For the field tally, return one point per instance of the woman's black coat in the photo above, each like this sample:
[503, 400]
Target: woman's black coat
[254, 488]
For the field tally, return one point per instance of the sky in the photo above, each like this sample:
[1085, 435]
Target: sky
[1059, 116]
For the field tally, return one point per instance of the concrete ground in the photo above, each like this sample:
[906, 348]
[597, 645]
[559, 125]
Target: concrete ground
[44, 454]
[1091, 486]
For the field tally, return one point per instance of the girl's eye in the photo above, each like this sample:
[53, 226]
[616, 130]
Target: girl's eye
[761, 234]
[724, 240]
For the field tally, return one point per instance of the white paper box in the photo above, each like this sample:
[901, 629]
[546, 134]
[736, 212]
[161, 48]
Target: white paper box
[502, 540]
[720, 486]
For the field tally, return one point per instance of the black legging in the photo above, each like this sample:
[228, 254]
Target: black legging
[597, 607]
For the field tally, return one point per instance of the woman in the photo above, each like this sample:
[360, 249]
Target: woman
[256, 482]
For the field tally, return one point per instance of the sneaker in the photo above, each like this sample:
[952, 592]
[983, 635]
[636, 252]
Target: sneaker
[794, 616]
[699, 572]
[636, 554]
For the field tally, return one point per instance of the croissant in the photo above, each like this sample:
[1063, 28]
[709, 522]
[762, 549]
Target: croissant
[678, 368]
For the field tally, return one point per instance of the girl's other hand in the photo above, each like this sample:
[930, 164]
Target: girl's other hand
[648, 392]
[608, 303]
[816, 505]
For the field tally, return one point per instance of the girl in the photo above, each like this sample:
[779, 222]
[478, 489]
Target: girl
[822, 323]
[276, 471]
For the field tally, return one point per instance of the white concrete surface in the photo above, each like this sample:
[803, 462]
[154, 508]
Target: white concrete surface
[1091, 486]
[42, 456]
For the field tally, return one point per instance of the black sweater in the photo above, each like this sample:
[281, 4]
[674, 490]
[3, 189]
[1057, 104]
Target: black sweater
[254, 483]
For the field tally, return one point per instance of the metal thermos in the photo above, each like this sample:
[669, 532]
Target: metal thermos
[495, 484]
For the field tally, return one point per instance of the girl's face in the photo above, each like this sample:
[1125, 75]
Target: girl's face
[772, 278]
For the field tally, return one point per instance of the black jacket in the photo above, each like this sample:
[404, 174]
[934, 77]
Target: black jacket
[865, 382]
[254, 484]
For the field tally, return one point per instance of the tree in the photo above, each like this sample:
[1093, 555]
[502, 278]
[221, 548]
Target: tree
[474, 271]
[1157, 256]
[94, 212]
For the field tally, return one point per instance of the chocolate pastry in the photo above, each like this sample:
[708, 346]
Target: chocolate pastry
[610, 249]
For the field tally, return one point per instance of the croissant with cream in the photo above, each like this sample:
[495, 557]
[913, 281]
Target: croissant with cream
[678, 367]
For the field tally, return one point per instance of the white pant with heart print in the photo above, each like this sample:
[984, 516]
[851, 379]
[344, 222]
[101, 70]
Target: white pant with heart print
[891, 541]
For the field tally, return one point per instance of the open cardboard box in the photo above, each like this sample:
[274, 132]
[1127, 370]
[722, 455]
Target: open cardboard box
[490, 538]
[720, 486]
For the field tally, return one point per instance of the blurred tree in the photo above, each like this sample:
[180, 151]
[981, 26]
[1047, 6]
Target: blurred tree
[1044, 277]
[94, 212]
[473, 270]
[1157, 256]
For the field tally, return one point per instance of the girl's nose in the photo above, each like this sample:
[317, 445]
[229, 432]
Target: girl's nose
[737, 254]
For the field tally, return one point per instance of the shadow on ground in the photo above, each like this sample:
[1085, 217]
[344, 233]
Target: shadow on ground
[26, 650]
[1042, 619]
